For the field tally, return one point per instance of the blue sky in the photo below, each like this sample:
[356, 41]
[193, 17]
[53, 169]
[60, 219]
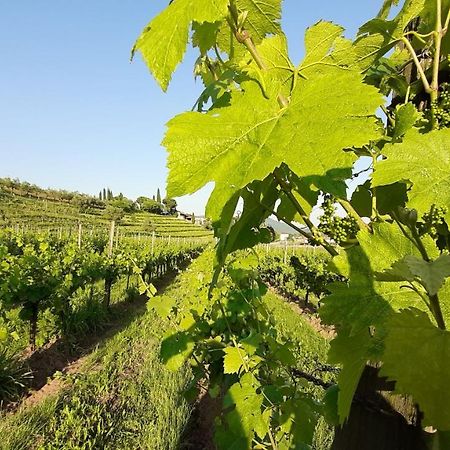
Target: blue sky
[76, 115]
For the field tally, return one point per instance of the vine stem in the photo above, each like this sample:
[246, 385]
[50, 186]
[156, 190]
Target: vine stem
[287, 190]
[374, 190]
[272, 440]
[438, 33]
[437, 311]
[351, 211]
[244, 37]
[329, 248]
[419, 67]
[435, 305]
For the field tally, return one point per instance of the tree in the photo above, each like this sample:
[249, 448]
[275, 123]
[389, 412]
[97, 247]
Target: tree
[158, 196]
[104, 195]
[100, 195]
[149, 205]
[171, 205]
[123, 203]
[275, 139]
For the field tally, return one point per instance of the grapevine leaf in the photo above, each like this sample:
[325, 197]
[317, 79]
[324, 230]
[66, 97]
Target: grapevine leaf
[227, 440]
[204, 35]
[251, 343]
[428, 21]
[410, 10]
[162, 305]
[225, 145]
[432, 274]
[330, 405]
[364, 301]
[399, 271]
[233, 359]
[246, 415]
[262, 424]
[319, 40]
[413, 340]
[430, 176]
[386, 8]
[367, 49]
[259, 200]
[352, 352]
[390, 197]
[378, 36]
[263, 17]
[252, 136]
[176, 349]
[299, 420]
[362, 200]
[405, 118]
[221, 207]
[444, 299]
[163, 42]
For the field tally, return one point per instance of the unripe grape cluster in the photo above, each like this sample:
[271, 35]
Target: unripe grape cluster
[433, 220]
[340, 229]
[441, 107]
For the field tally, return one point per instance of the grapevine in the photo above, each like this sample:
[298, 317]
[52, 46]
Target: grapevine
[390, 297]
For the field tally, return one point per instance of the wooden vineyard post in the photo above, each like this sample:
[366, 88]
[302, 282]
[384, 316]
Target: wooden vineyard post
[79, 235]
[111, 238]
[117, 237]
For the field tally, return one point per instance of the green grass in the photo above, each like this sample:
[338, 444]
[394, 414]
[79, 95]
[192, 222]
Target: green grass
[124, 398]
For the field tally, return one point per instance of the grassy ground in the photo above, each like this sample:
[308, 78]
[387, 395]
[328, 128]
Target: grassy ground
[124, 398]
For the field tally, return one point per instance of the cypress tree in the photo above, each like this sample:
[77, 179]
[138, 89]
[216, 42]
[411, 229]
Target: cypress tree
[100, 195]
[104, 194]
[158, 196]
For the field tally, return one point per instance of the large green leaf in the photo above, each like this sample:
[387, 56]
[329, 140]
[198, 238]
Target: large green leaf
[352, 352]
[164, 40]
[233, 359]
[431, 274]
[412, 342]
[263, 17]
[319, 41]
[258, 202]
[379, 35]
[362, 307]
[246, 141]
[246, 416]
[427, 158]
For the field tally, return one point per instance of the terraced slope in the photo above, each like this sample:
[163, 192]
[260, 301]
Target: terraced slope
[33, 213]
